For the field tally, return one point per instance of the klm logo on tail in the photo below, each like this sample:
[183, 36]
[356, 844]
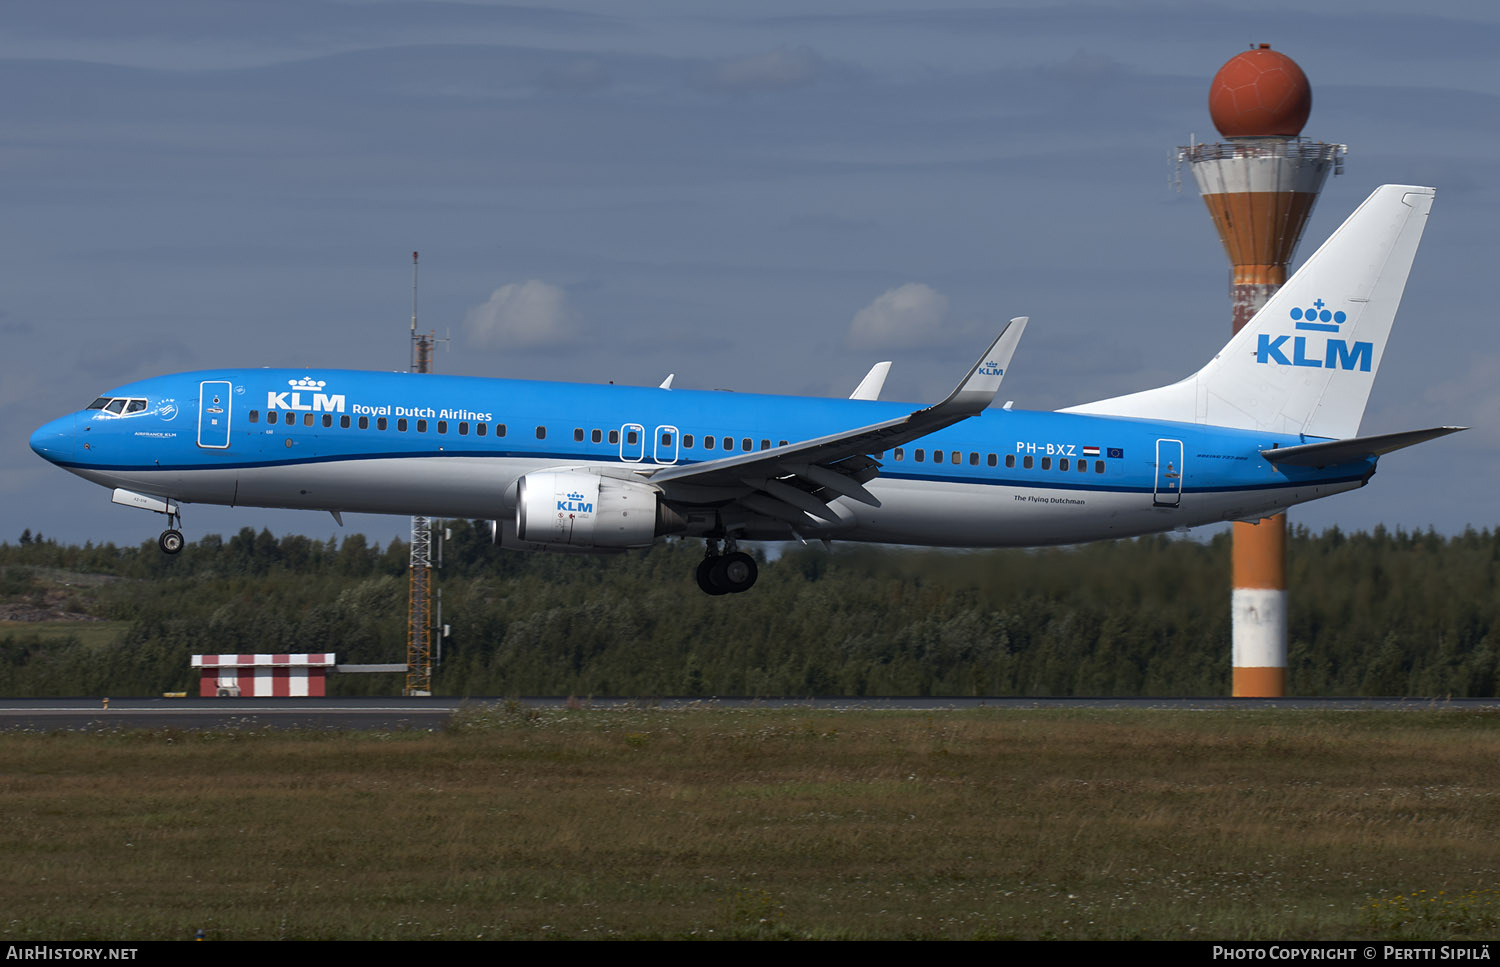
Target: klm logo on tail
[1304, 350]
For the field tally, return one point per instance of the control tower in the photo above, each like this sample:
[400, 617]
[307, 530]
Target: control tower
[1260, 185]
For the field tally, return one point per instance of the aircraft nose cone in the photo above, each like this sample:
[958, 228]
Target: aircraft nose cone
[54, 441]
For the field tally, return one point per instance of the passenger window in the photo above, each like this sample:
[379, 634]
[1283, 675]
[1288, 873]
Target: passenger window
[255, 416]
[900, 453]
[270, 416]
[596, 436]
[973, 459]
[614, 436]
[708, 443]
[921, 454]
[1098, 466]
[1026, 463]
[937, 456]
[344, 422]
[463, 429]
[1062, 464]
[957, 457]
[442, 426]
[1010, 461]
[421, 426]
[480, 428]
[745, 444]
[782, 443]
[666, 439]
[364, 423]
[632, 437]
[401, 424]
[687, 441]
[1046, 463]
[990, 459]
[499, 429]
[307, 419]
[578, 434]
[729, 443]
[1083, 466]
[765, 444]
[381, 423]
[328, 419]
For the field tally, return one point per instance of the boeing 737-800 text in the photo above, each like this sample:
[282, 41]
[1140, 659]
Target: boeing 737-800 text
[1269, 422]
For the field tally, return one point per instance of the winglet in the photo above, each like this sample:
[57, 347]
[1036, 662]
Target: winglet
[869, 388]
[978, 388]
[667, 383]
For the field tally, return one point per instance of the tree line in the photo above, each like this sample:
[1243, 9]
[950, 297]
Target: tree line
[1380, 613]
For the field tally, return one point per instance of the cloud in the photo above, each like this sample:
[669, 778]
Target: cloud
[521, 314]
[775, 70]
[907, 315]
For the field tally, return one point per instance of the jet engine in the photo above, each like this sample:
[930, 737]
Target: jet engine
[573, 508]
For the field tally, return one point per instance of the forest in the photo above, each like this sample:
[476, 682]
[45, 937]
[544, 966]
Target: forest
[1384, 613]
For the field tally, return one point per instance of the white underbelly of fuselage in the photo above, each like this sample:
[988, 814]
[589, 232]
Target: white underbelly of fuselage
[939, 514]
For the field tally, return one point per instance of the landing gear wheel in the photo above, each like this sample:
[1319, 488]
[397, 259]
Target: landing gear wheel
[170, 541]
[705, 576]
[734, 573]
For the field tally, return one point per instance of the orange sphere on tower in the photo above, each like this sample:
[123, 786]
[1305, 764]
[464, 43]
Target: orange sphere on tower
[1260, 94]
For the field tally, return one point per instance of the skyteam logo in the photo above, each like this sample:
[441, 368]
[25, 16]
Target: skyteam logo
[312, 389]
[575, 504]
[1336, 353]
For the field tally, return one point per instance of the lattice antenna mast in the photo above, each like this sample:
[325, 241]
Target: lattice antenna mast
[419, 570]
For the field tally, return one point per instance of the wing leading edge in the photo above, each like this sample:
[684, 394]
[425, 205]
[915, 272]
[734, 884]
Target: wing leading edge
[791, 482]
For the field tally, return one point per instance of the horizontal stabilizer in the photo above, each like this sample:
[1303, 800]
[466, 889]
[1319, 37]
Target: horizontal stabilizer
[1347, 451]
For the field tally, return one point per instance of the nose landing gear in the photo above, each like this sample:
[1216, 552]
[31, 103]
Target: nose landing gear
[732, 572]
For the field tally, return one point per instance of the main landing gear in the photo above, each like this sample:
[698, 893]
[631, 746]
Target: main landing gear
[171, 539]
[732, 572]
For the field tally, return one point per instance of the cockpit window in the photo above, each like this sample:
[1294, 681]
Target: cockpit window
[119, 406]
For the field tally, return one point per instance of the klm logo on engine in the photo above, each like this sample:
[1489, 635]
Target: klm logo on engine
[1309, 351]
[317, 400]
[575, 504]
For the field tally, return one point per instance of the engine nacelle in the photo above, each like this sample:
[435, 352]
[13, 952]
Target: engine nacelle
[580, 509]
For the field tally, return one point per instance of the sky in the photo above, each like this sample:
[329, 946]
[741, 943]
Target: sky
[765, 197]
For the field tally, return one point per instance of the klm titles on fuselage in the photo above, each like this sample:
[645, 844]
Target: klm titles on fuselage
[1337, 353]
[314, 402]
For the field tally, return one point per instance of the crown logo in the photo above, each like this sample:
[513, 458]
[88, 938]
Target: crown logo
[307, 382]
[575, 496]
[1318, 318]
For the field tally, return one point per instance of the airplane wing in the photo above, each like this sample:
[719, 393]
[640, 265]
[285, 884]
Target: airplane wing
[790, 482]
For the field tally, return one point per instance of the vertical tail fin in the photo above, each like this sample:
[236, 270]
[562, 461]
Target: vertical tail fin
[1307, 360]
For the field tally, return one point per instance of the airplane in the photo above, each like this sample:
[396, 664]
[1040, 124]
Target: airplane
[1271, 421]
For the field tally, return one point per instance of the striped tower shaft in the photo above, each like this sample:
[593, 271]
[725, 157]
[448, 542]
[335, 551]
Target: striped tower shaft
[1259, 193]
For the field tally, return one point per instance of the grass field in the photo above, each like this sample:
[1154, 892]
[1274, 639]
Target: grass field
[716, 823]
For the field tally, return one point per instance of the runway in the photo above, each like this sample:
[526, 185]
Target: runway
[428, 714]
